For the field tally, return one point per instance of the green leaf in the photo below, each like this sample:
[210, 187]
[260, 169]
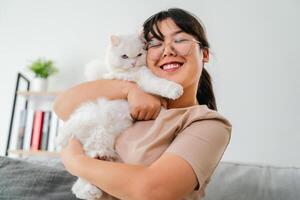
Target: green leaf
[43, 68]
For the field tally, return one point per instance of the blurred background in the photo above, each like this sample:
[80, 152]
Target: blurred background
[254, 62]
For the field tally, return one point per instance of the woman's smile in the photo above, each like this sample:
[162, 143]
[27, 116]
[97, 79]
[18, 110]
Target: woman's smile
[171, 66]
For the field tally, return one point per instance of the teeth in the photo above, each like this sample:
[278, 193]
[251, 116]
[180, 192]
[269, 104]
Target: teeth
[171, 66]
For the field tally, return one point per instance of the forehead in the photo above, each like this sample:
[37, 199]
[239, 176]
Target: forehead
[168, 27]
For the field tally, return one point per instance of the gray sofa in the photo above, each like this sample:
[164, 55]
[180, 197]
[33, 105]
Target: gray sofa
[46, 178]
[238, 181]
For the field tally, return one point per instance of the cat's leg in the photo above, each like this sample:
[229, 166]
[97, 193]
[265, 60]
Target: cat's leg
[66, 133]
[109, 76]
[84, 190]
[62, 140]
[80, 123]
[159, 86]
[74, 126]
[100, 145]
[127, 76]
[116, 119]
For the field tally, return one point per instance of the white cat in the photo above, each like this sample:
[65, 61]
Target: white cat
[97, 124]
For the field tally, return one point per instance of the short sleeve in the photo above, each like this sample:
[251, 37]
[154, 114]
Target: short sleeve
[202, 145]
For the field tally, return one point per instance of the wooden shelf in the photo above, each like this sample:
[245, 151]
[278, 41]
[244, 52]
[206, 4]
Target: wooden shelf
[38, 94]
[34, 153]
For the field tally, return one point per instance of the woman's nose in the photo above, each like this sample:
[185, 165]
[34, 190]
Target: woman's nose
[169, 50]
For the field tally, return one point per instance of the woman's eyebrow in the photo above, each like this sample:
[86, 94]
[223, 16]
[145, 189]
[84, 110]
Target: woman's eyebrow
[172, 34]
[177, 32]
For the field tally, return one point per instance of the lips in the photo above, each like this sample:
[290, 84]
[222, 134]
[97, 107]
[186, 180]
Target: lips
[171, 66]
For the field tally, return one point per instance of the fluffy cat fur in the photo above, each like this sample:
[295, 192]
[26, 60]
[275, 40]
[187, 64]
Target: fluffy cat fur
[97, 124]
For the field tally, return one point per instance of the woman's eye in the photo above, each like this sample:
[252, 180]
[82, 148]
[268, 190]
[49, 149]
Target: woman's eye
[180, 40]
[154, 43]
[124, 56]
[140, 54]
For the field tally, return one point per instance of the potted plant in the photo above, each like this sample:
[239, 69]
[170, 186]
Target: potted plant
[42, 68]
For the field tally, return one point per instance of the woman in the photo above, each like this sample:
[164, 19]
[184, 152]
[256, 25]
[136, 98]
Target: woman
[173, 156]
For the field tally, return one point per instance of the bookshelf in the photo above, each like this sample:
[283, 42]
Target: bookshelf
[41, 95]
[33, 153]
[21, 140]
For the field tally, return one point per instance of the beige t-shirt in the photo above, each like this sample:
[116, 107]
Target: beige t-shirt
[197, 134]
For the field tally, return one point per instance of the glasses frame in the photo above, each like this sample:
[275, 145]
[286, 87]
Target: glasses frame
[170, 43]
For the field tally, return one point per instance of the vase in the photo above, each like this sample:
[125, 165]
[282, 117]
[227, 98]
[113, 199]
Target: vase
[39, 84]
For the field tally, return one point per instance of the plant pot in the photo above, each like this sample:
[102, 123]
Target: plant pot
[39, 85]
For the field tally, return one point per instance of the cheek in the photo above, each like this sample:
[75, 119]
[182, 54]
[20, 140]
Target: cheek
[150, 64]
[196, 61]
[192, 71]
[197, 66]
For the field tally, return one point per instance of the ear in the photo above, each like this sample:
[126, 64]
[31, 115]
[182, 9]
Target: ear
[114, 40]
[205, 52]
[141, 34]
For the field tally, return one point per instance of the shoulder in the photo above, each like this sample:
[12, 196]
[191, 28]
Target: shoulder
[202, 127]
[200, 116]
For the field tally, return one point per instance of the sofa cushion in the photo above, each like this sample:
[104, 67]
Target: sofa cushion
[238, 181]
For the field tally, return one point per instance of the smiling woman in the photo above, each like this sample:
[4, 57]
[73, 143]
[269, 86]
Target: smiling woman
[176, 42]
[165, 154]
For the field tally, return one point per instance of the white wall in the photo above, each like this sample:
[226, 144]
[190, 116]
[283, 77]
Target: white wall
[254, 65]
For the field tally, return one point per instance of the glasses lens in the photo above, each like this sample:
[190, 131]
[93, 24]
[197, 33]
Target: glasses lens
[182, 47]
[156, 48]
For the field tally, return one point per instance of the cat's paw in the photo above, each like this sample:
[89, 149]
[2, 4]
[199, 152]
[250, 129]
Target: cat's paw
[174, 91]
[61, 141]
[107, 154]
[88, 191]
[108, 76]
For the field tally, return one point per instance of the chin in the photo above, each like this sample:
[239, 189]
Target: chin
[172, 77]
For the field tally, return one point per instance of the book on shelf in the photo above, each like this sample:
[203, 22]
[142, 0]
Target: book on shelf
[37, 130]
[45, 131]
[28, 129]
[53, 132]
[21, 129]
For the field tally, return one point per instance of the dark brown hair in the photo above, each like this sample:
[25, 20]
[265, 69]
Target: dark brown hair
[188, 23]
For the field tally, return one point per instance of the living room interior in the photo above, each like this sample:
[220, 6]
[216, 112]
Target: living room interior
[253, 63]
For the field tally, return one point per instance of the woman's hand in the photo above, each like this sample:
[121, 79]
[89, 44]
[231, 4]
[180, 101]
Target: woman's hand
[144, 106]
[71, 154]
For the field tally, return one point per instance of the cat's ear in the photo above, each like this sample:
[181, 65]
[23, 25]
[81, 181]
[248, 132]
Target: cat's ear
[141, 34]
[114, 40]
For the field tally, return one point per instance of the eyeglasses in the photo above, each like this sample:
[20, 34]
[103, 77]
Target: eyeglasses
[182, 46]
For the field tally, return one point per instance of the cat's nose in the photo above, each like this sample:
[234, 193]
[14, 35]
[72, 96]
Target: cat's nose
[133, 63]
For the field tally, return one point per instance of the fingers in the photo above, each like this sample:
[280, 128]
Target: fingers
[156, 113]
[145, 113]
[144, 106]
[150, 114]
[163, 102]
[142, 115]
[134, 114]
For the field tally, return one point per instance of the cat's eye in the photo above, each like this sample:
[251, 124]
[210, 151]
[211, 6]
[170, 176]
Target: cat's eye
[140, 54]
[124, 56]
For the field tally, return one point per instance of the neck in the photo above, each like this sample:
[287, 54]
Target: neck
[186, 100]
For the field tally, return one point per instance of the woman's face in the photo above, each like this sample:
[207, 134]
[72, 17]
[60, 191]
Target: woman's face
[172, 64]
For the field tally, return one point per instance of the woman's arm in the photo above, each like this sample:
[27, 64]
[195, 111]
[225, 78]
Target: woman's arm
[190, 159]
[69, 100]
[143, 106]
[169, 178]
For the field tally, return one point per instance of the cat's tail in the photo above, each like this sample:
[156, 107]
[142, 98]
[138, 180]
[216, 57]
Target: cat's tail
[94, 70]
